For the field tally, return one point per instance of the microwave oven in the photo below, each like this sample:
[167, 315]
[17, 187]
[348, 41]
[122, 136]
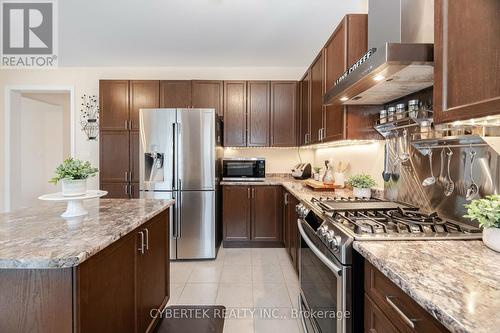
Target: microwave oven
[243, 169]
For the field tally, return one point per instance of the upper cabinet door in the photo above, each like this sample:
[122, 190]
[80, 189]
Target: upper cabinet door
[235, 93]
[143, 95]
[114, 104]
[258, 110]
[317, 88]
[283, 114]
[175, 94]
[208, 95]
[305, 99]
[466, 59]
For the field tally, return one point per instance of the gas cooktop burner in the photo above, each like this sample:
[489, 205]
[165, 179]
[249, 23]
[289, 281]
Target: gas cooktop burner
[415, 217]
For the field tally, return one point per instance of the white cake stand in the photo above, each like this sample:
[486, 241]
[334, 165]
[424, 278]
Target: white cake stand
[75, 203]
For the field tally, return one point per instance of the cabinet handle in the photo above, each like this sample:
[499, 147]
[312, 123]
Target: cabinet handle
[130, 191]
[141, 248]
[286, 198]
[253, 193]
[398, 310]
[130, 176]
[126, 189]
[319, 134]
[126, 176]
[146, 231]
[248, 192]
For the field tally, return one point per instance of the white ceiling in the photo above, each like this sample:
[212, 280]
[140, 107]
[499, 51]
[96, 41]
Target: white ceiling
[197, 33]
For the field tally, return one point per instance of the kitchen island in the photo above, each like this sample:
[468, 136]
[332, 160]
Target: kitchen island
[457, 282]
[101, 272]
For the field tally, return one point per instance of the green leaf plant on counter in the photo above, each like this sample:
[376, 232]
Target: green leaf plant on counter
[486, 211]
[361, 181]
[73, 169]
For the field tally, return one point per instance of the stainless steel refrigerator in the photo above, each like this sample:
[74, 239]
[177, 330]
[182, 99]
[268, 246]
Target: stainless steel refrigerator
[179, 158]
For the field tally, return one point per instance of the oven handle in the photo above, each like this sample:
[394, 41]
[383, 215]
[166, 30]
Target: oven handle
[334, 268]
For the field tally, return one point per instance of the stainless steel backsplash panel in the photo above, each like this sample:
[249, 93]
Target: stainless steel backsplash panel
[409, 188]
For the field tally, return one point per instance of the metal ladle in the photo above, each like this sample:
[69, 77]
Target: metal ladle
[449, 185]
[429, 180]
[473, 189]
[404, 156]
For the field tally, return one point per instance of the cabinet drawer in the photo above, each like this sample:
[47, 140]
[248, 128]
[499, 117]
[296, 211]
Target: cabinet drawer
[400, 308]
[375, 320]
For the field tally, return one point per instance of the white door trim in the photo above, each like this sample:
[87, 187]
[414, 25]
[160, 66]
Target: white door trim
[34, 89]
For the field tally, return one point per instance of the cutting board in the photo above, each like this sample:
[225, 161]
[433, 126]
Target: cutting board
[319, 186]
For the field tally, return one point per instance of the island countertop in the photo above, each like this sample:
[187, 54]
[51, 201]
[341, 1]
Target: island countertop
[457, 282]
[39, 238]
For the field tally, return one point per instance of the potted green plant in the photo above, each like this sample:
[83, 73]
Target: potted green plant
[73, 174]
[317, 171]
[361, 185]
[486, 211]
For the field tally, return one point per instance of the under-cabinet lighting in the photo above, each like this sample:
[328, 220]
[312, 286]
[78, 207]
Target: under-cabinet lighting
[379, 77]
[344, 99]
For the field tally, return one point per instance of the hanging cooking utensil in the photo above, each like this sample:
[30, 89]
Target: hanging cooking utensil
[386, 175]
[441, 180]
[473, 189]
[395, 174]
[449, 186]
[405, 155]
[429, 180]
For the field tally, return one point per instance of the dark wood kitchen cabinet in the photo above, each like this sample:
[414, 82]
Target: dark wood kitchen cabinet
[359, 122]
[252, 216]
[175, 94]
[466, 59]
[235, 117]
[316, 98]
[144, 94]
[283, 113]
[208, 94]
[305, 94]
[266, 213]
[290, 229]
[389, 309]
[119, 146]
[114, 104]
[258, 113]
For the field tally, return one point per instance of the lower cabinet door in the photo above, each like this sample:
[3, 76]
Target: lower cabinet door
[375, 320]
[106, 289]
[152, 270]
[116, 190]
[236, 213]
[266, 213]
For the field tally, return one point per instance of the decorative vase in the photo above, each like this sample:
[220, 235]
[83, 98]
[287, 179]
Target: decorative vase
[491, 238]
[74, 187]
[361, 192]
[316, 176]
[339, 179]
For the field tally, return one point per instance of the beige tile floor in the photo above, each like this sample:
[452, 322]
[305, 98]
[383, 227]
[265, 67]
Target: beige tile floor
[243, 280]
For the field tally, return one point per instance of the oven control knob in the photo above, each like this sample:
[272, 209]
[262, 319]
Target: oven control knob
[334, 242]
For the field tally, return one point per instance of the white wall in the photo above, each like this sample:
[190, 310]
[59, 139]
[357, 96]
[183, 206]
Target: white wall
[38, 149]
[86, 81]
[363, 158]
[278, 160]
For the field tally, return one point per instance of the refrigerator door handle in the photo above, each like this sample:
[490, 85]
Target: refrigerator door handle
[174, 215]
[174, 162]
[179, 218]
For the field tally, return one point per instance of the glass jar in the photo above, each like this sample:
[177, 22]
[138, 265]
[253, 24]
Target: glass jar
[391, 110]
[413, 108]
[425, 129]
[383, 116]
[400, 111]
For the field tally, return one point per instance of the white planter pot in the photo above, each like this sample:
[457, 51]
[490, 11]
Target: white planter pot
[491, 238]
[362, 192]
[316, 176]
[74, 187]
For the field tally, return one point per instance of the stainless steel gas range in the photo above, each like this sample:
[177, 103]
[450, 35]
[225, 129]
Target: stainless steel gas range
[327, 268]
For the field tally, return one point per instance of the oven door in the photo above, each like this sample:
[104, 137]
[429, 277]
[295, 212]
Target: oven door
[243, 169]
[325, 286]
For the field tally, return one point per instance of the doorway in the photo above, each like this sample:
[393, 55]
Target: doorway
[39, 136]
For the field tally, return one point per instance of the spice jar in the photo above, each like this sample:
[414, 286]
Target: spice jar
[383, 116]
[413, 108]
[400, 111]
[425, 129]
[391, 110]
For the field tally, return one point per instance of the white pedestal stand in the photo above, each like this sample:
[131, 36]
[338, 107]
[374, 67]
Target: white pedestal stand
[75, 203]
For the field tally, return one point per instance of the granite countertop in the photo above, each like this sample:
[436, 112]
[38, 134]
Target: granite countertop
[38, 237]
[457, 282]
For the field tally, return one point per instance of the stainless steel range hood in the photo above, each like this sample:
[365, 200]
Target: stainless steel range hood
[400, 59]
